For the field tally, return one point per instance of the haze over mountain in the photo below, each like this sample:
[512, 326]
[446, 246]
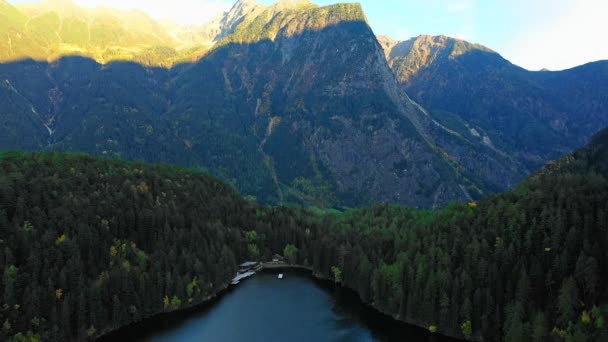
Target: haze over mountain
[55, 28]
[288, 102]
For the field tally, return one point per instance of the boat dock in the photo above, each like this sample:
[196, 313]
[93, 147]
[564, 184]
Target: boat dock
[241, 276]
[248, 269]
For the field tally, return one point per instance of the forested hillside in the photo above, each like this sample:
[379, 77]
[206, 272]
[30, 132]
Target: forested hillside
[528, 265]
[89, 245]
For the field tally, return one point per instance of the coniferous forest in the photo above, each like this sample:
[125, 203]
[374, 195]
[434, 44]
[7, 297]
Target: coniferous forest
[89, 245]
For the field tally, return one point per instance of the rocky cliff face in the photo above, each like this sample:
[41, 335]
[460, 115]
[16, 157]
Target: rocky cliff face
[312, 85]
[409, 57]
[296, 104]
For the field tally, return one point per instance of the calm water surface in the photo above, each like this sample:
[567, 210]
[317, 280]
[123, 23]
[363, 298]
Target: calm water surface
[296, 308]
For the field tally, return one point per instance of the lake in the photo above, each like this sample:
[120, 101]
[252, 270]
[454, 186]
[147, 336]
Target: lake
[295, 308]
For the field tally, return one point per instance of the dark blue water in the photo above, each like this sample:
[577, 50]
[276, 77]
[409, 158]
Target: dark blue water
[296, 308]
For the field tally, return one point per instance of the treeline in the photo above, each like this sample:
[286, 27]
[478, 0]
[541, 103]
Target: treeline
[88, 245]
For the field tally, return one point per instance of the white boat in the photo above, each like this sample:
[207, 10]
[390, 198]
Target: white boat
[281, 276]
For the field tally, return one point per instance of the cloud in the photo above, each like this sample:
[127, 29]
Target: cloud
[182, 11]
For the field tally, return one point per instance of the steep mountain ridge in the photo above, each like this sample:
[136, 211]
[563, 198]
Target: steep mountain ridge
[297, 104]
[291, 17]
[409, 57]
[219, 27]
[469, 146]
[322, 118]
[530, 117]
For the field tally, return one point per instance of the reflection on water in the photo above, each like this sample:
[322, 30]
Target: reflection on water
[296, 308]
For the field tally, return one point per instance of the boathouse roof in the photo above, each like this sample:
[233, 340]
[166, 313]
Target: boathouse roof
[249, 264]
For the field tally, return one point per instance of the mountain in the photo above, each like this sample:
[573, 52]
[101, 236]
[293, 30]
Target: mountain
[311, 90]
[408, 58]
[219, 27]
[295, 103]
[532, 117]
[346, 130]
[289, 102]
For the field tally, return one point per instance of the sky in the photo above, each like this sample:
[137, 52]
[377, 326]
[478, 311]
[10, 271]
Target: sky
[534, 34]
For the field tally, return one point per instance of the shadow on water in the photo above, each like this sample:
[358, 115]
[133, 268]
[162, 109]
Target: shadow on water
[323, 312]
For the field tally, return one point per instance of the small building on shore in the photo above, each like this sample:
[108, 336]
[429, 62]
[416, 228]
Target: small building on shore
[277, 259]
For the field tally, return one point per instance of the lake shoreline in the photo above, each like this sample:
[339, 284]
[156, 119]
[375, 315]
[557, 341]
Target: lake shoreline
[166, 316]
[173, 317]
[328, 283]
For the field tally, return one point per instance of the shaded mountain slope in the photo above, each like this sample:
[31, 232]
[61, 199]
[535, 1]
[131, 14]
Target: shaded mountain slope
[289, 102]
[297, 104]
[530, 116]
[312, 86]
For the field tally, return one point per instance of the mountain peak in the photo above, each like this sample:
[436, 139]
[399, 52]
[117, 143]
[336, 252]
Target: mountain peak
[452, 47]
[410, 56]
[290, 17]
[288, 4]
[387, 43]
[244, 4]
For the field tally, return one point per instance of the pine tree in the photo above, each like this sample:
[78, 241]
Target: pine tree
[567, 301]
